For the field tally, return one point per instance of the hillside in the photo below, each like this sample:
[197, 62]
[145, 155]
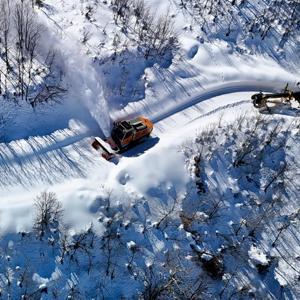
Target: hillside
[206, 208]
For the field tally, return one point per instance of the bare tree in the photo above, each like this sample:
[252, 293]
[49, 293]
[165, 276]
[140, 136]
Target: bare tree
[5, 26]
[74, 246]
[157, 36]
[48, 212]
[168, 213]
[27, 35]
[27, 75]
[121, 10]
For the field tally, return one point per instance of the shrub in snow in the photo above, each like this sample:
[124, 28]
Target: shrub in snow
[259, 258]
[79, 248]
[39, 3]
[212, 264]
[156, 36]
[250, 172]
[236, 20]
[132, 246]
[177, 246]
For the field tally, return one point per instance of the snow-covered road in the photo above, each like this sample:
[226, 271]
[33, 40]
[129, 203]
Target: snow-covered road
[67, 153]
[215, 91]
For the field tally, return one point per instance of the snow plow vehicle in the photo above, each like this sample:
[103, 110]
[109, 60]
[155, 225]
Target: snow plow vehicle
[286, 97]
[124, 135]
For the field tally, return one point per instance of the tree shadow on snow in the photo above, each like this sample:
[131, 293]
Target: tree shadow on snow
[124, 79]
[247, 35]
[44, 159]
[20, 121]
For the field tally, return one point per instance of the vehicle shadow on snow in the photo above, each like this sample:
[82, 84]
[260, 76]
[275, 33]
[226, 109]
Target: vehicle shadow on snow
[282, 110]
[141, 147]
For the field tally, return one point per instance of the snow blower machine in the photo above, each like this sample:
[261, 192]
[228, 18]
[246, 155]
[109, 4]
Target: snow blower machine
[125, 134]
[286, 97]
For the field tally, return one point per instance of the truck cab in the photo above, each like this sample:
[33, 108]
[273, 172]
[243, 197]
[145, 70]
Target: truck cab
[127, 131]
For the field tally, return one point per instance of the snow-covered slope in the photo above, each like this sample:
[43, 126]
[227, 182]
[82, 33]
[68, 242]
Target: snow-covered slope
[181, 215]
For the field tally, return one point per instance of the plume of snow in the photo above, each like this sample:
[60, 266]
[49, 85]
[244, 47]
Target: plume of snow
[83, 81]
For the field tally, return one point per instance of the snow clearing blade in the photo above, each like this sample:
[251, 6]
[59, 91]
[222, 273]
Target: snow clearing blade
[104, 148]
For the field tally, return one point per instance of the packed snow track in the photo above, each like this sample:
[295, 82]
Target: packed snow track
[67, 153]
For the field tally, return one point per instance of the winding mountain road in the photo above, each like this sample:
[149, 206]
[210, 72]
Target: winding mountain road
[67, 153]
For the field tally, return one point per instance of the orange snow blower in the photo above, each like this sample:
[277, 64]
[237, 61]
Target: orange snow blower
[124, 135]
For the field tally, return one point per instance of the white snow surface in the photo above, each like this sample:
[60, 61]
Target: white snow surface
[258, 256]
[50, 149]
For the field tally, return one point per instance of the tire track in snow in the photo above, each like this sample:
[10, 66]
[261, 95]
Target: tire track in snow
[207, 114]
[220, 108]
[227, 88]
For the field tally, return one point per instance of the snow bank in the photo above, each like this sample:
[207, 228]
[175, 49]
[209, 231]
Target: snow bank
[148, 173]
